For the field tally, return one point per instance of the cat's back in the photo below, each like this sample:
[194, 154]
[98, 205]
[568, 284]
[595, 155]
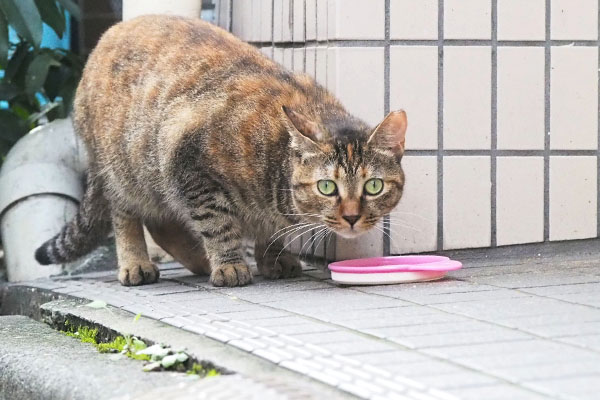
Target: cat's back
[143, 65]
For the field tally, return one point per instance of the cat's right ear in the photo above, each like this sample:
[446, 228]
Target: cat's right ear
[305, 133]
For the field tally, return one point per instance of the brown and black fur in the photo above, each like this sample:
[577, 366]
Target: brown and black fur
[201, 138]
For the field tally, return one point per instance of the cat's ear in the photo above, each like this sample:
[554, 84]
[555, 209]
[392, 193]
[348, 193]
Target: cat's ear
[391, 133]
[304, 132]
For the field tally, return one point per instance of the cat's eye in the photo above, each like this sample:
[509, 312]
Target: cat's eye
[327, 187]
[374, 186]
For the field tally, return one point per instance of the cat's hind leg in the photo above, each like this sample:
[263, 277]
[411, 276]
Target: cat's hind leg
[274, 262]
[135, 267]
[187, 249]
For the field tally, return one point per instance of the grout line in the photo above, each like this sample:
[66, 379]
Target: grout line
[312, 232]
[290, 21]
[304, 39]
[504, 153]
[446, 42]
[272, 43]
[547, 67]
[440, 129]
[230, 22]
[386, 107]
[494, 127]
[598, 157]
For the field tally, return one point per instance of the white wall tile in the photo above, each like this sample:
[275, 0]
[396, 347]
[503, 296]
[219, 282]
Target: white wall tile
[299, 60]
[467, 19]
[298, 35]
[413, 224]
[355, 19]
[311, 19]
[311, 61]
[256, 22]
[247, 20]
[222, 11]
[369, 244]
[414, 88]
[286, 24]
[237, 14]
[520, 98]
[278, 20]
[414, 19]
[278, 55]
[574, 98]
[357, 80]
[574, 19]
[521, 20]
[322, 19]
[266, 21]
[573, 192]
[321, 66]
[467, 202]
[288, 61]
[267, 51]
[467, 97]
[519, 200]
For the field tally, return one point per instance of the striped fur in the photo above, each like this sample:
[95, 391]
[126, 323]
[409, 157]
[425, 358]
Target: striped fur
[201, 138]
[90, 225]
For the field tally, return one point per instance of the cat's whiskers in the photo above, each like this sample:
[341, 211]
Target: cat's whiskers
[296, 237]
[287, 227]
[385, 233]
[307, 225]
[304, 214]
[312, 238]
[323, 236]
[401, 225]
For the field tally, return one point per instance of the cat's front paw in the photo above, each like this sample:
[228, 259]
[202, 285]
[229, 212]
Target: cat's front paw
[231, 275]
[138, 273]
[274, 266]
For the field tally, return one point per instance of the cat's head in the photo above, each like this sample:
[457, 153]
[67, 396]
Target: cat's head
[345, 175]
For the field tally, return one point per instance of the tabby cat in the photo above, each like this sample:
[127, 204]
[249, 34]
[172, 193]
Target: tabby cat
[201, 138]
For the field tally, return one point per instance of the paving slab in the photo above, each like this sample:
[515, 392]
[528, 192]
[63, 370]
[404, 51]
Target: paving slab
[502, 327]
[37, 362]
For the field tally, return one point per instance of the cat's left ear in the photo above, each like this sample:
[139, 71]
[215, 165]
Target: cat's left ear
[391, 133]
[304, 132]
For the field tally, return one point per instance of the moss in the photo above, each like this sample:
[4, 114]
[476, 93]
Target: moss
[116, 346]
[83, 333]
[129, 346]
[201, 371]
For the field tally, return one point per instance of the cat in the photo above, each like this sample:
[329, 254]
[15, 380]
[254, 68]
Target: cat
[206, 141]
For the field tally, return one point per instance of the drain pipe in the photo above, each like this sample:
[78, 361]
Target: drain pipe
[185, 8]
[41, 183]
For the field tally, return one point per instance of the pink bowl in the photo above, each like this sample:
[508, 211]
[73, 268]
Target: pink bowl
[395, 264]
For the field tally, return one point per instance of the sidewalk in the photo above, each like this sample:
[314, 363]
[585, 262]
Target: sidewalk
[498, 329]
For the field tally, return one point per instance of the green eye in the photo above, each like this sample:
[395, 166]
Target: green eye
[374, 186]
[327, 187]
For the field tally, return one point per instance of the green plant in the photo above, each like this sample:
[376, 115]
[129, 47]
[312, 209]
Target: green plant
[38, 83]
[200, 370]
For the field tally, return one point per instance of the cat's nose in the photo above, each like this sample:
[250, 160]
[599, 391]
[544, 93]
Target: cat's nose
[351, 219]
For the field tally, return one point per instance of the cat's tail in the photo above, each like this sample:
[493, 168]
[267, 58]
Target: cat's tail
[83, 233]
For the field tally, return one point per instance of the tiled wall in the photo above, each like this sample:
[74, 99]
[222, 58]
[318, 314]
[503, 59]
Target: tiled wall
[502, 99]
